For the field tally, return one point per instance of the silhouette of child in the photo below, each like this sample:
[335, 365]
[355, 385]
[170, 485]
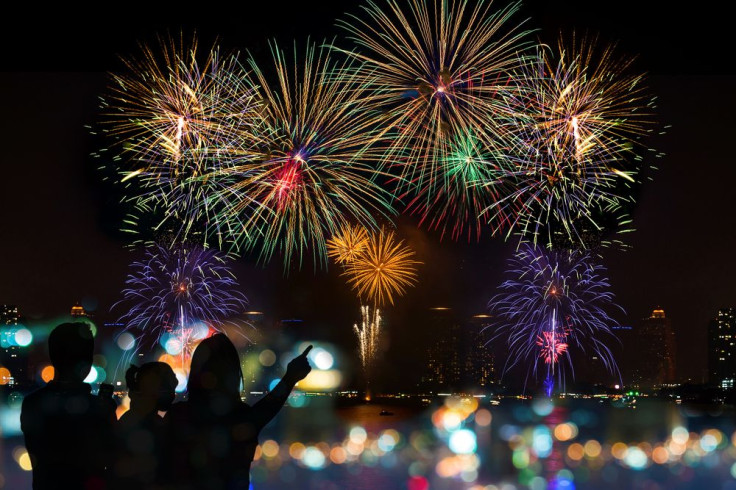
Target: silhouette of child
[68, 431]
[214, 434]
[140, 431]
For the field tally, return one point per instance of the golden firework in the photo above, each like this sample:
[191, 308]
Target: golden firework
[384, 269]
[347, 245]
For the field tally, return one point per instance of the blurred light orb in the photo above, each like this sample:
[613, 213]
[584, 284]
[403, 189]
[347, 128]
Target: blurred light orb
[321, 358]
[126, 341]
[358, 435]
[708, 443]
[418, 483]
[542, 441]
[483, 417]
[91, 376]
[388, 440]
[4, 376]
[22, 458]
[47, 373]
[313, 458]
[267, 358]
[463, 441]
[542, 407]
[173, 346]
[321, 380]
[23, 337]
[200, 331]
[181, 379]
[680, 435]
[297, 400]
[635, 458]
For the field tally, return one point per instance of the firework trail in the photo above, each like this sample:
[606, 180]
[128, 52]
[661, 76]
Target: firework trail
[317, 174]
[383, 270]
[177, 296]
[578, 118]
[436, 71]
[368, 333]
[176, 117]
[554, 303]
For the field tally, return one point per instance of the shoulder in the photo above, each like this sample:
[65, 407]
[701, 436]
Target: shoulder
[32, 399]
[177, 411]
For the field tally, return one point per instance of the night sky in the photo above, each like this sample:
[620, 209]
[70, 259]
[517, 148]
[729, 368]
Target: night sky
[59, 243]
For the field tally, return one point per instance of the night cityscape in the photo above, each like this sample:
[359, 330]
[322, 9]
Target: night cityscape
[503, 229]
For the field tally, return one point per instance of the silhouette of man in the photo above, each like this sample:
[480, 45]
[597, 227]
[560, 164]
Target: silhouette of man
[68, 431]
[214, 434]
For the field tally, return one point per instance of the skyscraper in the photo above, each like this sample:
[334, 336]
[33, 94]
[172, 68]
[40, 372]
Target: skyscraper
[78, 311]
[655, 363]
[9, 315]
[11, 357]
[481, 370]
[443, 356]
[722, 348]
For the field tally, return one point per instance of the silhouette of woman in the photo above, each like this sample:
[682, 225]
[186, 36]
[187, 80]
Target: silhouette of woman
[214, 434]
[140, 433]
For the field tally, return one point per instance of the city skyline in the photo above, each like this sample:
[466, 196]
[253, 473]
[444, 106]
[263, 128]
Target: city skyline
[61, 247]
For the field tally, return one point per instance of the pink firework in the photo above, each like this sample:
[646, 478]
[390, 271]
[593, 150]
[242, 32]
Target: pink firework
[552, 345]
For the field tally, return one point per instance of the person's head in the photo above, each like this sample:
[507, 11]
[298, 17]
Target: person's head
[154, 382]
[215, 369]
[71, 346]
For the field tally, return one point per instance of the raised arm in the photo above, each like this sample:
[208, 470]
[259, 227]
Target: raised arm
[267, 407]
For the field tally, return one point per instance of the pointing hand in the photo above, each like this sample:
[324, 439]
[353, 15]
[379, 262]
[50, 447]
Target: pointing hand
[298, 368]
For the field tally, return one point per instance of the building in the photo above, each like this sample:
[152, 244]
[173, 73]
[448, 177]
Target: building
[9, 315]
[654, 352]
[722, 349]
[443, 353]
[459, 356]
[11, 356]
[78, 311]
[482, 367]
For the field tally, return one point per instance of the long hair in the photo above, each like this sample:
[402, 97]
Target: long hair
[215, 369]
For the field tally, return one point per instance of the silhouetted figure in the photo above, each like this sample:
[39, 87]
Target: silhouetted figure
[214, 434]
[139, 434]
[68, 431]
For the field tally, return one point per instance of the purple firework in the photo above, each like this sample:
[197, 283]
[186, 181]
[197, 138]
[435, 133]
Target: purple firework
[555, 302]
[174, 288]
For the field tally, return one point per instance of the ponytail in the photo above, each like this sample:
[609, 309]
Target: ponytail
[131, 378]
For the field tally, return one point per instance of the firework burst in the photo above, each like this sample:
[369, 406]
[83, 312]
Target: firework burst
[316, 176]
[436, 70]
[578, 118]
[346, 246]
[554, 303]
[470, 177]
[384, 270]
[178, 295]
[176, 117]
